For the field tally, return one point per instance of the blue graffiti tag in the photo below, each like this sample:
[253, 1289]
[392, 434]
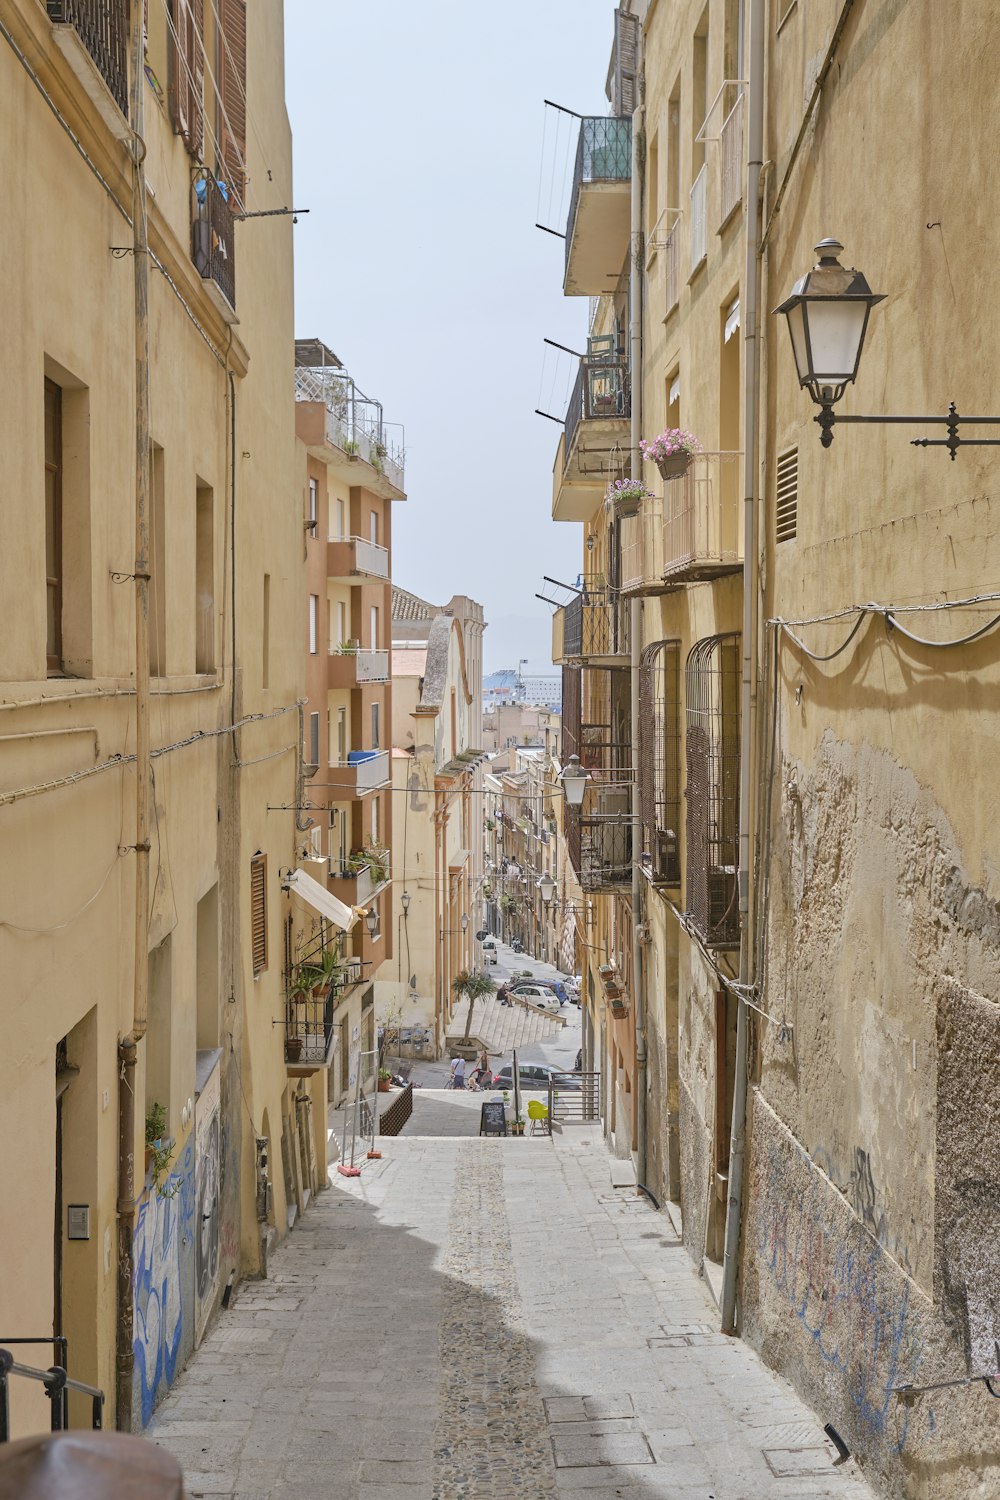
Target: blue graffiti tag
[162, 1236]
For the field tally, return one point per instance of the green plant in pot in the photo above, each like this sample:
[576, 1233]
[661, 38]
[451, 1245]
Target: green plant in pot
[159, 1150]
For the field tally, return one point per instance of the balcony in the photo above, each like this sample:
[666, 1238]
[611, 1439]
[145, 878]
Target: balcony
[642, 549]
[702, 535]
[344, 428]
[593, 631]
[354, 560]
[699, 219]
[358, 880]
[364, 771]
[93, 35]
[309, 1032]
[351, 669]
[597, 227]
[731, 157]
[596, 426]
[599, 837]
[213, 246]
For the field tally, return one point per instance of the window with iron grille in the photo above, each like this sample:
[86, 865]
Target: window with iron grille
[258, 912]
[660, 759]
[786, 509]
[712, 692]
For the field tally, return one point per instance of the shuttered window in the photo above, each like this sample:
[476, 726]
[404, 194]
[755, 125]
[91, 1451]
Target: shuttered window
[186, 72]
[232, 76]
[786, 512]
[626, 60]
[258, 912]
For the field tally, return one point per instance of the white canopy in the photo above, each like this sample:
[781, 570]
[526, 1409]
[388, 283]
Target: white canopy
[321, 900]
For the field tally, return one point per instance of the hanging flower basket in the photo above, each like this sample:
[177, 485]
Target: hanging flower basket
[671, 451]
[627, 495]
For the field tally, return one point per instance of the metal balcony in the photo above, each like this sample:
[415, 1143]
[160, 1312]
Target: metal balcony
[595, 430]
[364, 771]
[213, 244]
[351, 669]
[702, 534]
[597, 226]
[353, 559]
[599, 837]
[350, 430]
[593, 630]
[102, 26]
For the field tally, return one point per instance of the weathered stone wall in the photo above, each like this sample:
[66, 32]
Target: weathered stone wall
[872, 1250]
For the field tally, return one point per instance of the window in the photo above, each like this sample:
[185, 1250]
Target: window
[314, 739]
[341, 736]
[652, 184]
[265, 634]
[712, 691]
[186, 72]
[341, 622]
[375, 820]
[313, 621]
[341, 529]
[660, 764]
[786, 511]
[313, 504]
[53, 526]
[204, 580]
[231, 73]
[375, 726]
[258, 913]
[374, 628]
[373, 526]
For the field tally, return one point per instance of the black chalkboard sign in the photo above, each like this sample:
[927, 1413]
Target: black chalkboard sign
[493, 1118]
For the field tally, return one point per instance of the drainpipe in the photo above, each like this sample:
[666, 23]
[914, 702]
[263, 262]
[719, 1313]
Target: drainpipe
[128, 1045]
[636, 260]
[751, 413]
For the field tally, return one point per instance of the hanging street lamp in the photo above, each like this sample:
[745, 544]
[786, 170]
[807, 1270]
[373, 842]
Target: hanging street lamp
[546, 886]
[827, 315]
[574, 778]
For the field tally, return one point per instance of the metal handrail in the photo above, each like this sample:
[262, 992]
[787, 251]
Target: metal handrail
[56, 1382]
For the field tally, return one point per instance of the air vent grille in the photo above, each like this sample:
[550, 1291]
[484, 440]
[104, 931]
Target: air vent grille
[787, 506]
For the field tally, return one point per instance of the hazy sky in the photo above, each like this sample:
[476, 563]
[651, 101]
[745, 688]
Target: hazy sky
[418, 140]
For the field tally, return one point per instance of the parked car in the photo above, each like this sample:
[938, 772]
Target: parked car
[536, 994]
[489, 951]
[534, 1076]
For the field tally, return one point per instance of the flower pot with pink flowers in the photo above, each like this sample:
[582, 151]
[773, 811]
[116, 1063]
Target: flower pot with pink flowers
[671, 451]
[626, 496]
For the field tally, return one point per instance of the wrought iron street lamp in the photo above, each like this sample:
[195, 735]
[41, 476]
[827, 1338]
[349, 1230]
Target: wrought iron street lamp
[574, 780]
[404, 902]
[827, 314]
[371, 920]
[546, 886]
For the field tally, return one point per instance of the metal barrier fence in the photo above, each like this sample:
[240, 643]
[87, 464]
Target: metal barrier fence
[574, 1098]
[57, 1386]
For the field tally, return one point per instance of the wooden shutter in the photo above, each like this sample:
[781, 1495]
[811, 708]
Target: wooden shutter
[232, 54]
[186, 72]
[258, 912]
[626, 63]
[787, 502]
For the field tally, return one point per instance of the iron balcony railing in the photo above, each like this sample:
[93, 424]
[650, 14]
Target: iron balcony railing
[309, 1027]
[600, 391]
[731, 154]
[213, 244]
[354, 421]
[702, 533]
[574, 1098]
[603, 154]
[699, 218]
[595, 626]
[102, 26]
[599, 837]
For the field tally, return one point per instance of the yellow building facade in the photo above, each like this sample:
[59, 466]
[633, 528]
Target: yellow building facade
[119, 1249]
[792, 970]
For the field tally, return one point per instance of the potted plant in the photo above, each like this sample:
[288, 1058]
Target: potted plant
[351, 448]
[671, 451]
[159, 1149]
[384, 1080]
[627, 495]
[293, 1048]
[377, 857]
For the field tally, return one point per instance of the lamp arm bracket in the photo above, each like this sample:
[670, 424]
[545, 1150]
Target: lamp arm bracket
[828, 418]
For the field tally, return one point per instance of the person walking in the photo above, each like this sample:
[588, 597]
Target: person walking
[458, 1072]
[480, 1072]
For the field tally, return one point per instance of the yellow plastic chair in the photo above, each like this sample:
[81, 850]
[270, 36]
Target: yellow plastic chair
[538, 1114]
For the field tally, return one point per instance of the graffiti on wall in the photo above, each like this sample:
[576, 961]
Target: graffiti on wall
[837, 1282]
[207, 1186]
[163, 1247]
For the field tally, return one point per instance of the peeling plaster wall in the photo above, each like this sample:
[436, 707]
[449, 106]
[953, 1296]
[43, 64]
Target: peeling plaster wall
[872, 1246]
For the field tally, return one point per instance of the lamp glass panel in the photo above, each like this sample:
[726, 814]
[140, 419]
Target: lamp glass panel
[836, 329]
[800, 345]
[574, 787]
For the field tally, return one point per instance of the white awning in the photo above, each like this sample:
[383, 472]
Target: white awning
[732, 320]
[322, 900]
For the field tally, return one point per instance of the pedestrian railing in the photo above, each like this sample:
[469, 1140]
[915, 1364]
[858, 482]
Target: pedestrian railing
[57, 1387]
[574, 1098]
[392, 1120]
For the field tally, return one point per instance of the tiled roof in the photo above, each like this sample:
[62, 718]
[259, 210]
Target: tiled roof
[408, 607]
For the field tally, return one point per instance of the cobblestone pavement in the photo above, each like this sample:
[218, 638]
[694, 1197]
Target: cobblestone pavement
[485, 1320]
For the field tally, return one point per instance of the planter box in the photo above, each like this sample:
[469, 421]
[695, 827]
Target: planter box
[674, 466]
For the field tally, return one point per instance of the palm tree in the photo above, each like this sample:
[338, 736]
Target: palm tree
[474, 986]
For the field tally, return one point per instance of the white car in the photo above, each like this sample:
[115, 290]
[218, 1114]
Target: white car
[489, 951]
[537, 994]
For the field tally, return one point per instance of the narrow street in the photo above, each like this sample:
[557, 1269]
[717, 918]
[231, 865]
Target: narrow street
[487, 1319]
